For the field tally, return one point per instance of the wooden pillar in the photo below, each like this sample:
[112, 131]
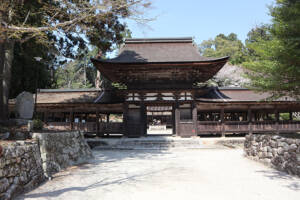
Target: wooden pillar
[173, 119]
[107, 118]
[71, 119]
[277, 120]
[97, 122]
[177, 119]
[125, 124]
[249, 116]
[107, 124]
[45, 117]
[222, 122]
[291, 116]
[194, 112]
[143, 119]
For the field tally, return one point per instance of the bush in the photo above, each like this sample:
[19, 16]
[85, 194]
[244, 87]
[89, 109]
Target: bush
[37, 124]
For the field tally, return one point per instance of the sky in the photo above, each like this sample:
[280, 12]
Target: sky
[202, 19]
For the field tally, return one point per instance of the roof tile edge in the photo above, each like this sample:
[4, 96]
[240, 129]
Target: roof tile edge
[159, 40]
[69, 90]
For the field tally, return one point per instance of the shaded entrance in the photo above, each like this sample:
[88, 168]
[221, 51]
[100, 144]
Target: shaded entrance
[159, 120]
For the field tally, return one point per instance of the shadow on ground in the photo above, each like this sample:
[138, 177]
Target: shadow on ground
[100, 160]
[278, 175]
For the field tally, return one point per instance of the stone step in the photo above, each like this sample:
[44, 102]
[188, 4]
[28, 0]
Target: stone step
[147, 143]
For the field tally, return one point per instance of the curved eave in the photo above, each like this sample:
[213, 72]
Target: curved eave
[109, 61]
[123, 72]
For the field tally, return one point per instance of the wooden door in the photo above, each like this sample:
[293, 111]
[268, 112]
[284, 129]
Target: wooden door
[134, 123]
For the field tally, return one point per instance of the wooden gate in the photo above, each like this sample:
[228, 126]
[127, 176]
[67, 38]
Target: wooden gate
[134, 123]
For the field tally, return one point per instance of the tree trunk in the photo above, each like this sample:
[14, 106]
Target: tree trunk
[6, 58]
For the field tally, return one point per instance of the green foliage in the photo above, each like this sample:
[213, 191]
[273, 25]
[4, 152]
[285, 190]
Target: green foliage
[28, 73]
[224, 45]
[67, 28]
[38, 124]
[284, 116]
[71, 75]
[276, 65]
[257, 34]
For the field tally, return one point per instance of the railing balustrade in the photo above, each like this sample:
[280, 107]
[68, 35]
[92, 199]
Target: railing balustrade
[103, 127]
[241, 127]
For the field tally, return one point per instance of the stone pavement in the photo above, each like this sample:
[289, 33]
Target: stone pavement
[191, 174]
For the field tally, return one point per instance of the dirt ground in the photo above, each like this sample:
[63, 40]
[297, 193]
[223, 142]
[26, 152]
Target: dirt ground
[174, 174]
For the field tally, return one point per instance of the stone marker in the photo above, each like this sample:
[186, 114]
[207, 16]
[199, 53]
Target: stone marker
[24, 105]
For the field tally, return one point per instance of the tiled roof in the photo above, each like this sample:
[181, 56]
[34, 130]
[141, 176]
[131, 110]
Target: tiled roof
[159, 50]
[67, 96]
[237, 94]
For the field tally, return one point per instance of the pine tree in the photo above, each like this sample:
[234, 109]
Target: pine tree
[276, 67]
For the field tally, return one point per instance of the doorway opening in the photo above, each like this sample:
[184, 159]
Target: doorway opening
[159, 120]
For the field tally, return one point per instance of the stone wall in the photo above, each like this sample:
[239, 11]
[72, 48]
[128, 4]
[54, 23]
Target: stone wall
[20, 168]
[279, 152]
[25, 164]
[62, 149]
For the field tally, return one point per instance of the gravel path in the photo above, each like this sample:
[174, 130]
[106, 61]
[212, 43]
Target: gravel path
[176, 174]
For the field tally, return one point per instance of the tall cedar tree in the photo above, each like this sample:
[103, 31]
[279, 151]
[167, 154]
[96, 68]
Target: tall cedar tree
[65, 24]
[276, 65]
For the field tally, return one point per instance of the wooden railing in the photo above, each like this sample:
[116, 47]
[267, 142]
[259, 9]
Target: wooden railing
[244, 127]
[264, 126]
[58, 126]
[86, 127]
[289, 126]
[209, 127]
[236, 126]
[112, 127]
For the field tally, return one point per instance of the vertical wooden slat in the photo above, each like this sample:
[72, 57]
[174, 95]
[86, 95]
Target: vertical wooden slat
[222, 122]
